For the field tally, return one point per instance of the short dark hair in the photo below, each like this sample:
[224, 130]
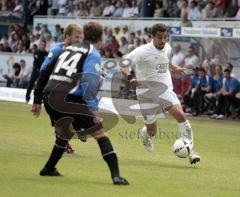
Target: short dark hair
[92, 31]
[43, 40]
[159, 28]
[191, 47]
[194, 3]
[201, 69]
[230, 64]
[16, 65]
[227, 70]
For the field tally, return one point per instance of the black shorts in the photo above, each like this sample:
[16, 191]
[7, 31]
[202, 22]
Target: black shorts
[79, 121]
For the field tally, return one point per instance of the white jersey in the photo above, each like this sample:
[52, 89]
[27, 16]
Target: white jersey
[152, 64]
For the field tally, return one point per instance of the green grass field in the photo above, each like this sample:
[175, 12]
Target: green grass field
[26, 143]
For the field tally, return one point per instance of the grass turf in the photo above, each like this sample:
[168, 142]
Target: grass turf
[26, 143]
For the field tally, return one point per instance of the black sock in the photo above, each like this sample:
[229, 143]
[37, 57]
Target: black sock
[57, 152]
[109, 155]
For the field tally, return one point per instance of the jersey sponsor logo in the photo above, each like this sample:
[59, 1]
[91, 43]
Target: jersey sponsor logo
[162, 68]
[50, 55]
[61, 78]
[98, 67]
[77, 49]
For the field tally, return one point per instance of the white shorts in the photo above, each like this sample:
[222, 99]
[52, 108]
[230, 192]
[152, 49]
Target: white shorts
[165, 100]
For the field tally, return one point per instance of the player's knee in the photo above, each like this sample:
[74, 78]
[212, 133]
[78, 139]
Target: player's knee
[64, 128]
[152, 132]
[181, 117]
[65, 134]
[98, 134]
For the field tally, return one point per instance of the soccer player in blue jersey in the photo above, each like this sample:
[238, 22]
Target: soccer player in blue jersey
[73, 34]
[56, 85]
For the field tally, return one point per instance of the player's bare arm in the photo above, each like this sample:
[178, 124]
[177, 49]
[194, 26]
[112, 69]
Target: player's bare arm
[177, 70]
[125, 71]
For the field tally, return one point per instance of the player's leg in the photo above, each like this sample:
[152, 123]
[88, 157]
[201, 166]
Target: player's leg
[148, 131]
[31, 83]
[58, 150]
[185, 129]
[109, 156]
[172, 104]
[69, 149]
[64, 132]
[184, 126]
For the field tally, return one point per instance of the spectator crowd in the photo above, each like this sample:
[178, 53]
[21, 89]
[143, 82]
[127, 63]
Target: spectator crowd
[211, 88]
[193, 10]
[116, 40]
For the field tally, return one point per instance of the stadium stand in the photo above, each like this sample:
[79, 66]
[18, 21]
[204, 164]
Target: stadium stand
[22, 41]
[199, 92]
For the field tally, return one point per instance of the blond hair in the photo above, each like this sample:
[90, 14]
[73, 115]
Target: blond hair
[70, 28]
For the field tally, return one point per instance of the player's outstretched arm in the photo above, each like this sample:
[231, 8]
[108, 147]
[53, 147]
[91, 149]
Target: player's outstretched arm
[46, 70]
[178, 70]
[125, 71]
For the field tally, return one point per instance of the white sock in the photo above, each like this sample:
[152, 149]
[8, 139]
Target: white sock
[185, 130]
[145, 129]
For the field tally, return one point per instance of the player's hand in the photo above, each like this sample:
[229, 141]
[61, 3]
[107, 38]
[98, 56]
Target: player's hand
[135, 83]
[179, 70]
[103, 73]
[97, 118]
[102, 76]
[36, 109]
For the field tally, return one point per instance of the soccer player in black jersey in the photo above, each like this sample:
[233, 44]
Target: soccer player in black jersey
[69, 93]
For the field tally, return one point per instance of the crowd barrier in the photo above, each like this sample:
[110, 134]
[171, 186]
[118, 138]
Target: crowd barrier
[18, 95]
[134, 23]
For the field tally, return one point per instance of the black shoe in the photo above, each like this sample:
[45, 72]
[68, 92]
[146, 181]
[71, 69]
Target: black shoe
[46, 172]
[120, 181]
[27, 99]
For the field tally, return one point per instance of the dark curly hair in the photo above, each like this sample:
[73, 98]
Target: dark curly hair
[92, 31]
[158, 28]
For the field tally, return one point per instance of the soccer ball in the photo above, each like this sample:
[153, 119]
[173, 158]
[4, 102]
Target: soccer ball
[182, 147]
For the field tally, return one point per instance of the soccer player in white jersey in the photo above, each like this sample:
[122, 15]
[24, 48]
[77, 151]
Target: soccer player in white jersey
[152, 64]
